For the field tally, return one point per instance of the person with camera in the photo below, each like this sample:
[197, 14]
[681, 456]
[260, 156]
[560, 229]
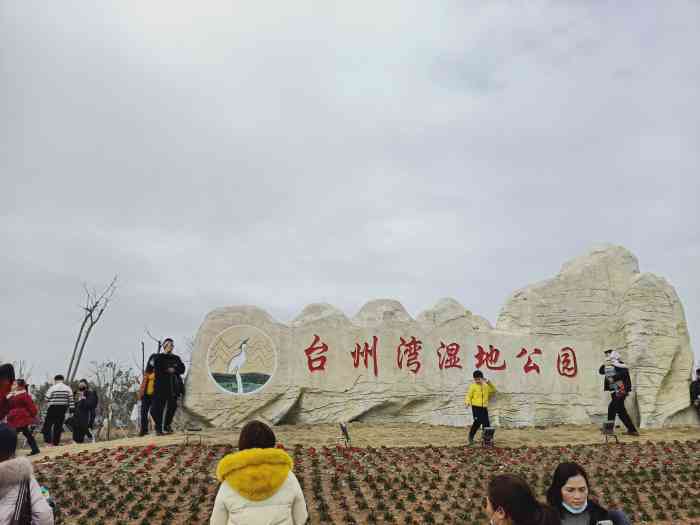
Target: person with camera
[85, 404]
[695, 392]
[569, 495]
[617, 381]
[168, 386]
[477, 397]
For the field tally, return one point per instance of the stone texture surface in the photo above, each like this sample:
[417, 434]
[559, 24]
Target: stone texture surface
[597, 301]
[602, 297]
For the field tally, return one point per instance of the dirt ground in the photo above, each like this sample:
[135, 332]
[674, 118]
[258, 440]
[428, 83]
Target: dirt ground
[393, 435]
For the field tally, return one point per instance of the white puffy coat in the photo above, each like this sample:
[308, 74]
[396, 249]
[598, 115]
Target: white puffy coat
[258, 488]
[12, 473]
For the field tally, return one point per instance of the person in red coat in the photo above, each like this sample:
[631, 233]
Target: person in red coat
[22, 413]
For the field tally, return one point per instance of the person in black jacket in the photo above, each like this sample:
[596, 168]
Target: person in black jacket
[618, 383]
[85, 404]
[569, 495]
[695, 391]
[167, 386]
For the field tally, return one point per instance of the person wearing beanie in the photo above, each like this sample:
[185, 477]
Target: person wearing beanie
[258, 486]
[478, 398]
[617, 381]
[21, 500]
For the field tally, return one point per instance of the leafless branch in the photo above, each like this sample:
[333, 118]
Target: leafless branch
[95, 306]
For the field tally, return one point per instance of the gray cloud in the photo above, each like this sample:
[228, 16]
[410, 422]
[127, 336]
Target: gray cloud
[228, 153]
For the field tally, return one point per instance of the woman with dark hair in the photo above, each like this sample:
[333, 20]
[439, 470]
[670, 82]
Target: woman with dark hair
[22, 413]
[258, 486]
[510, 501]
[568, 493]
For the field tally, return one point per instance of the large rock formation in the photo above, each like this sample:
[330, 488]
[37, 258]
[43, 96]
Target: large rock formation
[384, 365]
[603, 298]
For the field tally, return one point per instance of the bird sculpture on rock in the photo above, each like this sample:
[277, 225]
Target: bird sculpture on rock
[237, 362]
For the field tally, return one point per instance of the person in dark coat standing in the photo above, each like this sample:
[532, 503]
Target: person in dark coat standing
[618, 383]
[85, 404]
[7, 378]
[168, 368]
[22, 413]
[695, 392]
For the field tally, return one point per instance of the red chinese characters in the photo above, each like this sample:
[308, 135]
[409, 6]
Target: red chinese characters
[365, 352]
[448, 356]
[530, 366]
[490, 358]
[410, 351]
[566, 362]
[315, 360]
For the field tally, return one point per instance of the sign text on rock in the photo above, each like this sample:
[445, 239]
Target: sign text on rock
[408, 357]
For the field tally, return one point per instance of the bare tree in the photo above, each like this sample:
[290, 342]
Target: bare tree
[116, 388]
[23, 370]
[95, 305]
[187, 356]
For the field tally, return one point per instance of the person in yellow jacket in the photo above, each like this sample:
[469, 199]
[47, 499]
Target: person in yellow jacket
[478, 398]
[258, 486]
[146, 397]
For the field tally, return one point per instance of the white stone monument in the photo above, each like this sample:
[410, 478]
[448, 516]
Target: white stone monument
[382, 365]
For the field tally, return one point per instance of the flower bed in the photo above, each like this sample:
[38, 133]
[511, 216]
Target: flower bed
[651, 482]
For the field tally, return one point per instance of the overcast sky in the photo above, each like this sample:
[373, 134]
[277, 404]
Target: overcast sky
[279, 154]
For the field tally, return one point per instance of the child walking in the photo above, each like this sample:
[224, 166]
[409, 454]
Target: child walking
[478, 398]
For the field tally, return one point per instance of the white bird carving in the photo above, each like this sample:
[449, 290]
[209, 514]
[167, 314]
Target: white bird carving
[237, 363]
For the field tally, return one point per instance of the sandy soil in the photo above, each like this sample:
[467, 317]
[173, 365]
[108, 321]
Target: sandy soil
[394, 435]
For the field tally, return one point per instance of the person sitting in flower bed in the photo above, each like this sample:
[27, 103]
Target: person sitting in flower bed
[568, 493]
[21, 499]
[257, 483]
[510, 501]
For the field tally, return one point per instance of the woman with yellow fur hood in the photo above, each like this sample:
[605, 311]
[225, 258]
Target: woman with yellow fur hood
[258, 486]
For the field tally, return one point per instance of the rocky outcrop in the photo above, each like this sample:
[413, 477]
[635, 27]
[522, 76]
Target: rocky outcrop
[383, 365]
[602, 297]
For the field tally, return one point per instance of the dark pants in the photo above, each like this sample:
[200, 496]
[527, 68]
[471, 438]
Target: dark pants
[481, 417]
[145, 407]
[53, 423]
[617, 408]
[158, 407]
[30, 438]
[80, 429]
